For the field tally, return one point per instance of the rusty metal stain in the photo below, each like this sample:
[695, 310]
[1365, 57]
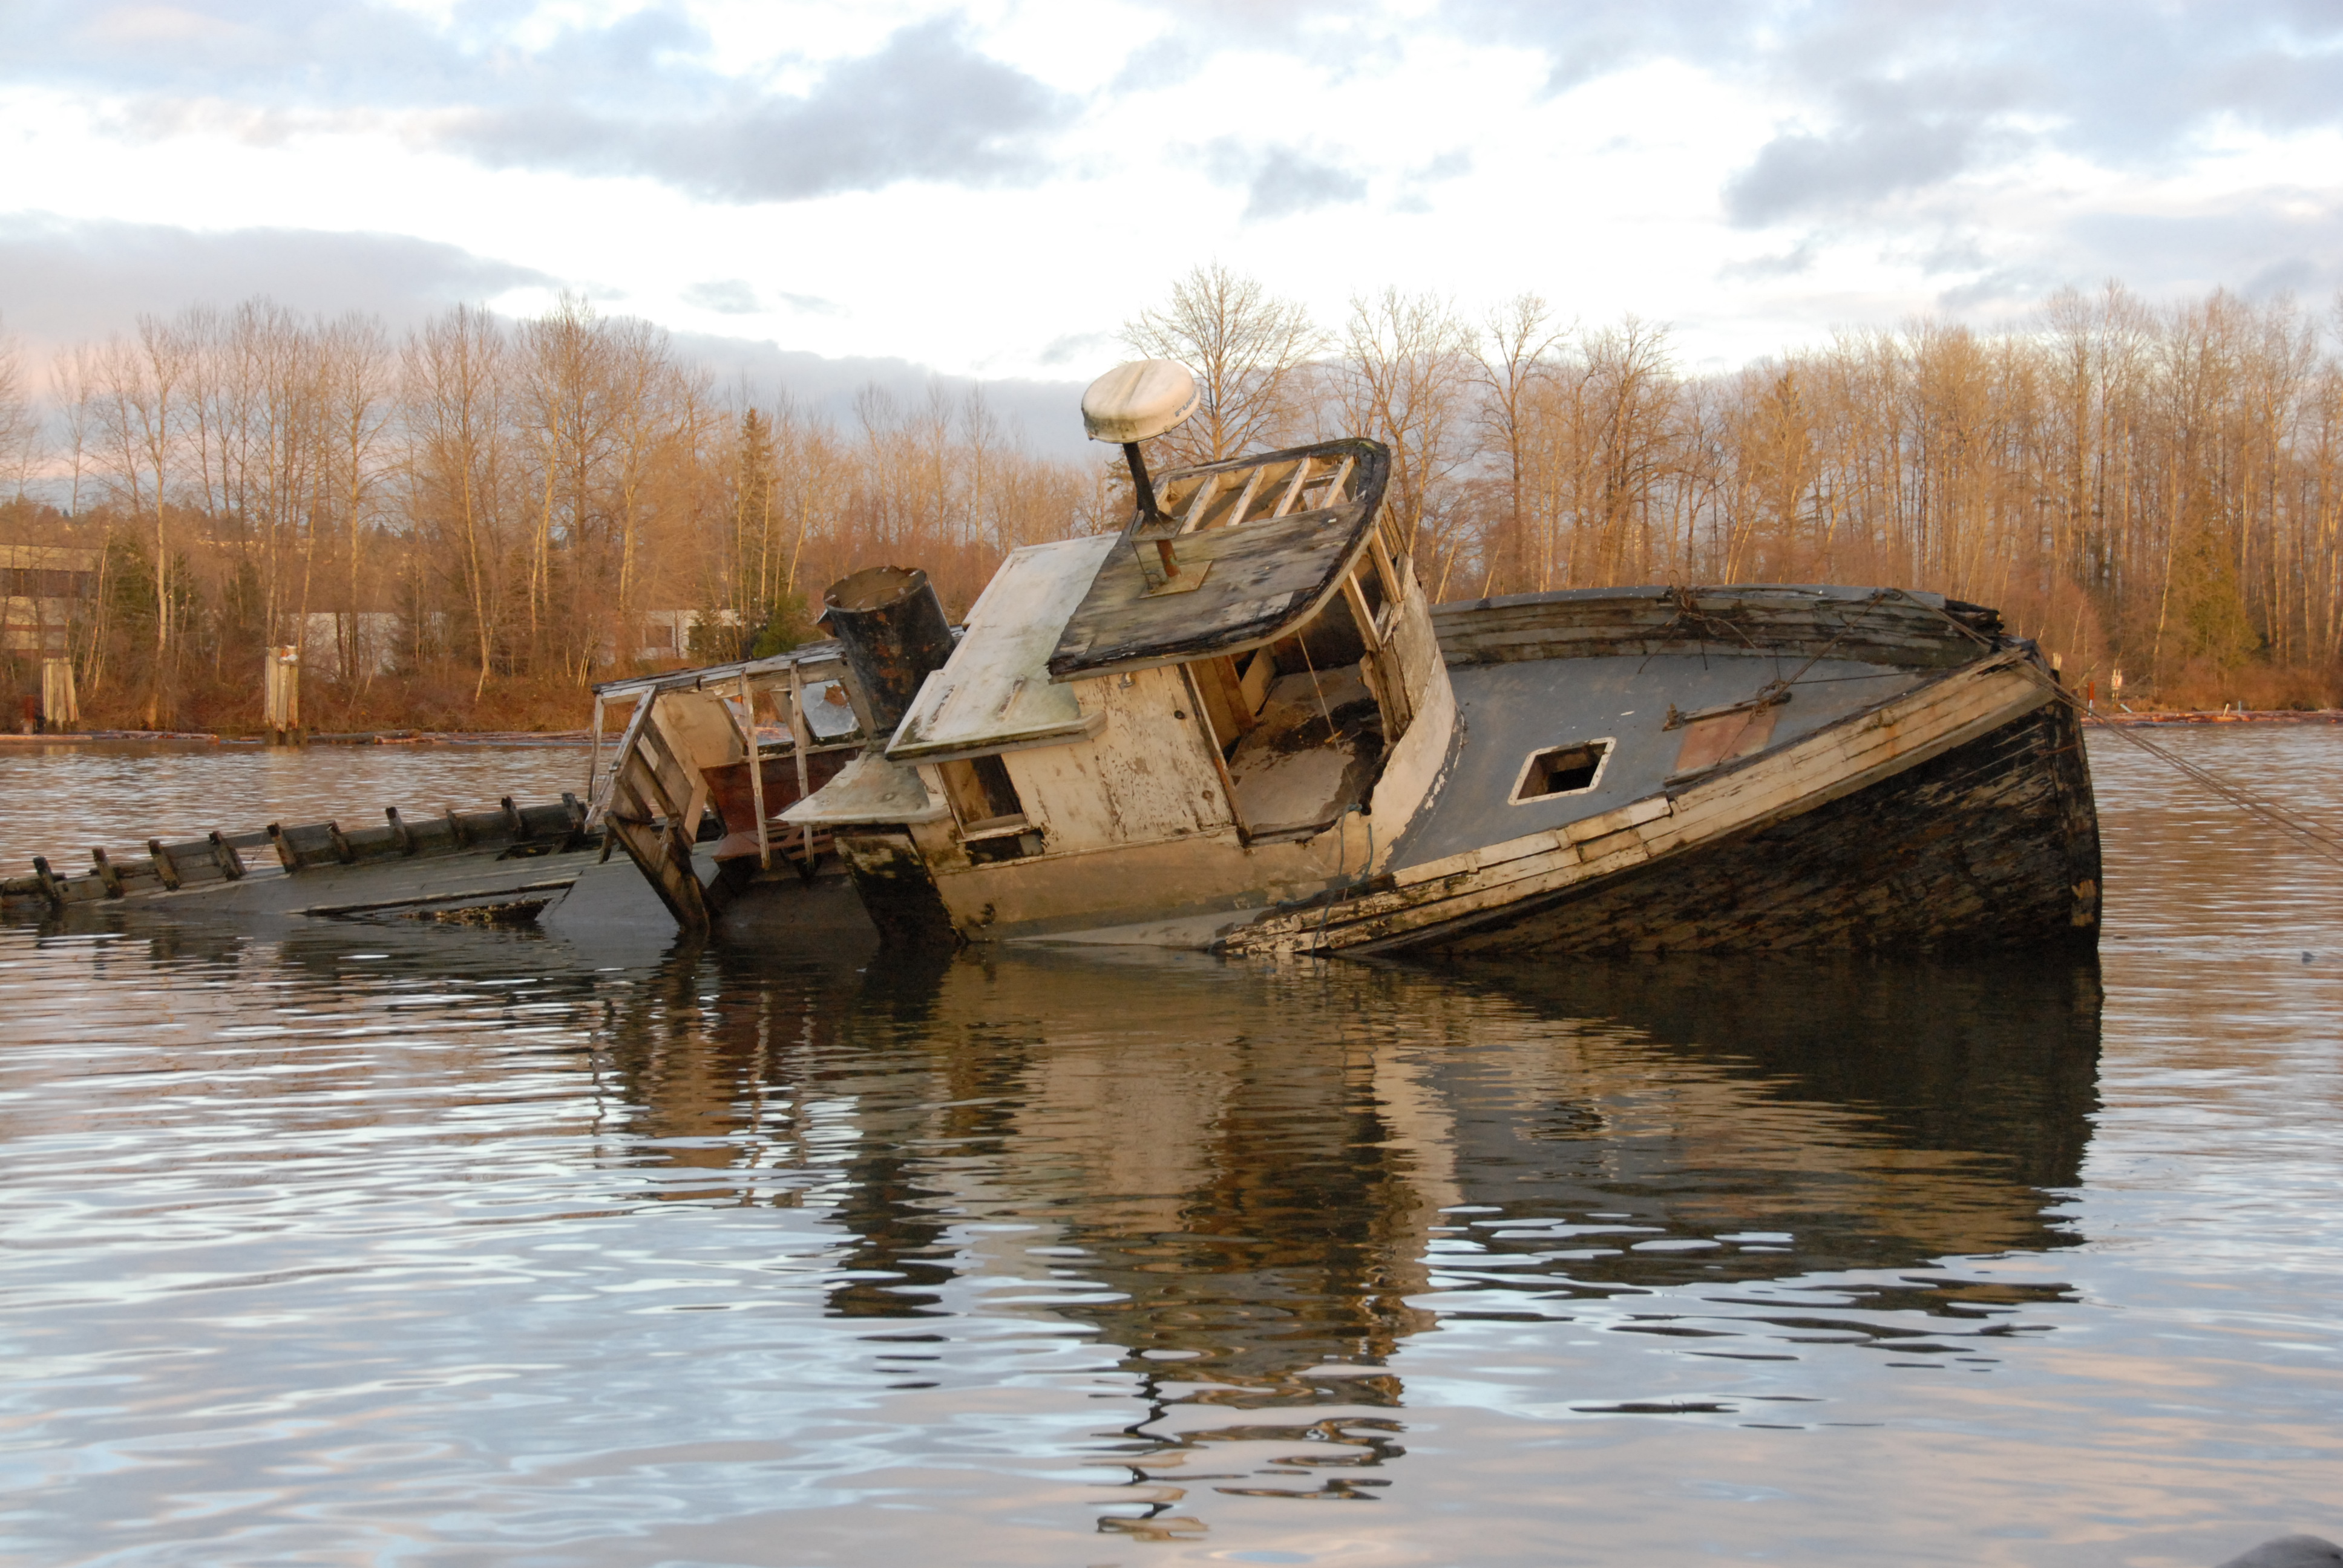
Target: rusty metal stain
[1725, 736]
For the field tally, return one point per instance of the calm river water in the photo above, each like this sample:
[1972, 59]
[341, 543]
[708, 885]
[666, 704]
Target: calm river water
[351, 1244]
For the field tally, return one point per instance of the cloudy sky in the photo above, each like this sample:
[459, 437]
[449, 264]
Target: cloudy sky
[991, 189]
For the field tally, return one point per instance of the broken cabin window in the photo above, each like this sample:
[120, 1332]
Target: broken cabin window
[828, 713]
[992, 825]
[1561, 771]
[983, 798]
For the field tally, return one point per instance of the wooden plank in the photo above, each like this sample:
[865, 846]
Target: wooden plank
[801, 734]
[744, 717]
[1788, 622]
[223, 856]
[106, 874]
[1292, 491]
[627, 741]
[1259, 582]
[1206, 487]
[1244, 502]
[995, 693]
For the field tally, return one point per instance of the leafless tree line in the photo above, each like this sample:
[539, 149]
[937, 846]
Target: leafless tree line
[2144, 488]
[514, 498]
[2151, 489]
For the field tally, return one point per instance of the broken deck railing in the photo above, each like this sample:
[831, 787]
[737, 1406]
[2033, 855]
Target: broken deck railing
[745, 740]
[218, 857]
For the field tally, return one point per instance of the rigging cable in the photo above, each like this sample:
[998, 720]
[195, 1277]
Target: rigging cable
[2312, 836]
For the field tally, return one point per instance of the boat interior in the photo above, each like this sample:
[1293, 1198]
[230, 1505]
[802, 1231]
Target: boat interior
[1283, 584]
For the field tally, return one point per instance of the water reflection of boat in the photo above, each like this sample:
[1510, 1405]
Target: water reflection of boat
[1257, 1183]
[1879, 1114]
[1246, 1170]
[1239, 725]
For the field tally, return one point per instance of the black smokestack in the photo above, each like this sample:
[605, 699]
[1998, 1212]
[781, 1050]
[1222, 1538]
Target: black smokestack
[890, 625]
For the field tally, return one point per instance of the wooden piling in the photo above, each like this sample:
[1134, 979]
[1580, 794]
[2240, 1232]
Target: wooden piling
[166, 870]
[60, 707]
[281, 696]
[223, 856]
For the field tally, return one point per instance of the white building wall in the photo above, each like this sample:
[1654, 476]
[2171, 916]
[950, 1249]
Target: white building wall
[377, 636]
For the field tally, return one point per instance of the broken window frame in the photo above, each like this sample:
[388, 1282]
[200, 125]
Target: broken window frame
[1605, 747]
[964, 783]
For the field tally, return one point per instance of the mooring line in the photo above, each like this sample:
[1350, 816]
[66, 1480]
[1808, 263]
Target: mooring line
[2312, 836]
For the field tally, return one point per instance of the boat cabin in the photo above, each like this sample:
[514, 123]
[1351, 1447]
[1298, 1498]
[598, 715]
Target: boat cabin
[1239, 696]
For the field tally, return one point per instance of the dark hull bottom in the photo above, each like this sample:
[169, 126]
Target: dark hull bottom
[1994, 844]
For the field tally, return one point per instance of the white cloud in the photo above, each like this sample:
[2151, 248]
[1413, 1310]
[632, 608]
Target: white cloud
[995, 188]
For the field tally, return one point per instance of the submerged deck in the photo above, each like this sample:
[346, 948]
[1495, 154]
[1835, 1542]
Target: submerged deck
[1507, 713]
[1732, 769]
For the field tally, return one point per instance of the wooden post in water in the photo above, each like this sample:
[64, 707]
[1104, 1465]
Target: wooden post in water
[756, 774]
[223, 856]
[60, 708]
[801, 742]
[282, 697]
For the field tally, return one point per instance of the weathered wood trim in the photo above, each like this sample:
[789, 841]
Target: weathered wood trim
[223, 856]
[1884, 626]
[1976, 847]
[1267, 577]
[1741, 798]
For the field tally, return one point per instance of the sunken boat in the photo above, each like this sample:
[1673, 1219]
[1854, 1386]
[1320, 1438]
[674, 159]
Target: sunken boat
[1239, 725]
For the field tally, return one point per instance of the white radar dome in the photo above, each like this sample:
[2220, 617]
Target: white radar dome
[1135, 401]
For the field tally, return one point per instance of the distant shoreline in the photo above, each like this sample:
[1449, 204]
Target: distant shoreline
[2253, 716]
[586, 737]
[362, 738]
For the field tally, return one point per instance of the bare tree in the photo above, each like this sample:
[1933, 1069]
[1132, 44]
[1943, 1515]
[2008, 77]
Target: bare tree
[1517, 346]
[1248, 349]
[356, 406]
[1404, 377]
[457, 459]
[565, 373]
[652, 400]
[20, 423]
[141, 386]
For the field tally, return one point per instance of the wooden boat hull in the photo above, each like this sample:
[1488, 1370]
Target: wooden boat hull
[1991, 845]
[1957, 813]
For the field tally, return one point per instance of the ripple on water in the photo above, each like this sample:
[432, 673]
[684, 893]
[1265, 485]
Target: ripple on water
[346, 1245]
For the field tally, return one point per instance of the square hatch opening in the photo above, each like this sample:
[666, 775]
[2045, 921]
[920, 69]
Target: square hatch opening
[1572, 769]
